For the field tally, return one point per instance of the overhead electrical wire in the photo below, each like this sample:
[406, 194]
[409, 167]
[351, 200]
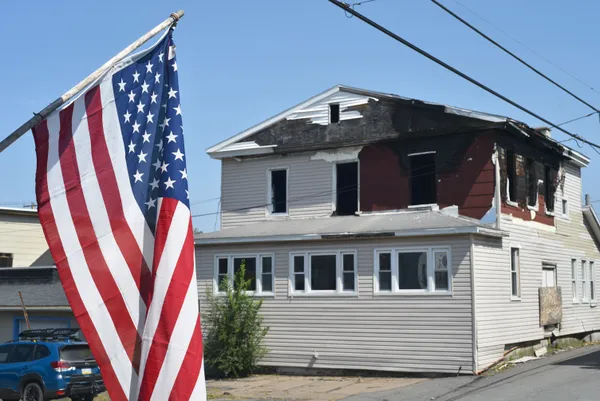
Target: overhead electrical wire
[455, 71]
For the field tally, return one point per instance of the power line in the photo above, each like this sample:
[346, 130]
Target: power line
[455, 71]
[527, 47]
[519, 59]
[578, 118]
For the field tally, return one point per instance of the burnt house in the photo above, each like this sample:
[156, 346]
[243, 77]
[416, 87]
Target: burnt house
[388, 233]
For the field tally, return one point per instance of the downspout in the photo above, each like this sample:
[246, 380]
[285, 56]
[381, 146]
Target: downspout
[497, 195]
[473, 312]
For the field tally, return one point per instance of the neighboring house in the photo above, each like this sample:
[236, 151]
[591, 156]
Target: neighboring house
[27, 267]
[393, 234]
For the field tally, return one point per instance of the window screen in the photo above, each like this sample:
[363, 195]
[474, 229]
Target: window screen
[323, 275]
[412, 270]
[250, 264]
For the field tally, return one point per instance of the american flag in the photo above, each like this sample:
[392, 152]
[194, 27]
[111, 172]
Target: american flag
[113, 201]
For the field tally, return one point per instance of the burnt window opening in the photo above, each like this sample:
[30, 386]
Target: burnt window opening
[532, 183]
[511, 174]
[278, 190]
[346, 189]
[334, 113]
[550, 187]
[6, 260]
[423, 183]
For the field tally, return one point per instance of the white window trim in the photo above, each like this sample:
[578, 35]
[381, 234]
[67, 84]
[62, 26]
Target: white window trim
[269, 208]
[334, 183]
[518, 271]
[575, 280]
[231, 257]
[508, 200]
[592, 268]
[430, 291]
[584, 290]
[307, 274]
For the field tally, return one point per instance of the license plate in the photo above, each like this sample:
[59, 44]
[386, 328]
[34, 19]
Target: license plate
[86, 371]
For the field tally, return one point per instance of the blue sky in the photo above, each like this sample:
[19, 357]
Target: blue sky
[241, 62]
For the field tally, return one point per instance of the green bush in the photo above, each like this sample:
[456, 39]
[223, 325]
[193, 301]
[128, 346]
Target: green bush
[233, 345]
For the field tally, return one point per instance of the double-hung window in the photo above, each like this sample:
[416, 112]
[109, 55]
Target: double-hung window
[323, 272]
[584, 288]
[259, 271]
[592, 281]
[574, 279]
[413, 270]
[515, 273]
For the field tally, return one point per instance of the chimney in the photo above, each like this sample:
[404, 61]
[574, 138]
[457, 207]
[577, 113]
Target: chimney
[587, 200]
[544, 131]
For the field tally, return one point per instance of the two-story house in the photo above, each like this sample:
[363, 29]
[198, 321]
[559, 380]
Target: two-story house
[26, 267]
[387, 233]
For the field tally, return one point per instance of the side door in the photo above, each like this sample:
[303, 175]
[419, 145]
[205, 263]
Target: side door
[5, 390]
[18, 365]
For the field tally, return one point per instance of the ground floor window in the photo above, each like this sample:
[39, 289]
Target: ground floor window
[258, 270]
[403, 270]
[323, 272]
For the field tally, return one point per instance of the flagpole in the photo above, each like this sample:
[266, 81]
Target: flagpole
[19, 132]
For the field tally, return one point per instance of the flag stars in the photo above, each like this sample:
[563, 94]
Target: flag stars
[172, 137]
[165, 123]
[136, 76]
[160, 145]
[146, 137]
[142, 156]
[136, 127]
[169, 183]
[156, 164]
[149, 67]
[160, 57]
[131, 147]
[153, 96]
[174, 65]
[138, 176]
[127, 116]
[122, 85]
[151, 203]
[140, 107]
[183, 174]
[187, 194]
[172, 93]
[131, 97]
[178, 155]
[177, 110]
[157, 78]
[163, 167]
[154, 184]
[150, 118]
[145, 87]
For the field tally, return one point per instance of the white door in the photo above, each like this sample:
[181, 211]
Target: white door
[548, 275]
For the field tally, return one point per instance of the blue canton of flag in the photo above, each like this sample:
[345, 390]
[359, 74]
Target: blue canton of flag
[147, 101]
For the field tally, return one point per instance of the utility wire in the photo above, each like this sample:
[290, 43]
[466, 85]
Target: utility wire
[578, 118]
[455, 71]
[519, 59]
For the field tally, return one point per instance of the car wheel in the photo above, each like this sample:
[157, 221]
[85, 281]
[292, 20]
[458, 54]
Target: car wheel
[32, 392]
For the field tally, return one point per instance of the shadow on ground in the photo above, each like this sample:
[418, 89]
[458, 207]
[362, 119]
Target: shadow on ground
[588, 361]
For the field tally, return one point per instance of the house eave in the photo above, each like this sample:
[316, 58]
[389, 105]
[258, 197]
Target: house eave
[592, 218]
[224, 154]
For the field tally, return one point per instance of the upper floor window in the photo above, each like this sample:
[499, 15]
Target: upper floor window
[423, 183]
[584, 288]
[346, 194]
[532, 183]
[323, 272]
[550, 187]
[413, 270]
[6, 259]
[278, 191]
[515, 272]
[334, 113]
[259, 271]
[511, 175]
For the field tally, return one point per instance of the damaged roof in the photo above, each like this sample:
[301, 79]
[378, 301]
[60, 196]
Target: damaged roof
[392, 224]
[246, 144]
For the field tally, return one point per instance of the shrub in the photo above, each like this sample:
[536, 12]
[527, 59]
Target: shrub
[233, 344]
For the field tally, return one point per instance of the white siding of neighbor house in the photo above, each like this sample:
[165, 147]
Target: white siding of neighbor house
[23, 237]
[245, 186]
[501, 321]
[418, 333]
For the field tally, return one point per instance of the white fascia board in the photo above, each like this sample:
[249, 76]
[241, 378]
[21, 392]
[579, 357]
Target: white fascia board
[592, 218]
[272, 120]
[223, 154]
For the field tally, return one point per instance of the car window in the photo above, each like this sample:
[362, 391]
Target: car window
[76, 352]
[5, 352]
[22, 353]
[41, 351]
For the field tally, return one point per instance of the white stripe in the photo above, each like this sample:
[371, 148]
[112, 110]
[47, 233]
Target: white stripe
[178, 346]
[86, 288]
[116, 150]
[164, 274]
[199, 393]
[101, 221]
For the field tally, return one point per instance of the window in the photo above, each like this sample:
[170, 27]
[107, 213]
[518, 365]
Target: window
[346, 195]
[550, 188]
[532, 183]
[548, 275]
[5, 352]
[323, 272]
[584, 295]
[515, 273]
[334, 113]
[422, 179]
[41, 352]
[278, 191]
[22, 353]
[574, 279]
[511, 174]
[259, 271]
[592, 281]
[565, 207]
[413, 270]
[6, 259]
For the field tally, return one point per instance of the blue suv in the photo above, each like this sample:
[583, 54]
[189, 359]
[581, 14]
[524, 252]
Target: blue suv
[48, 364]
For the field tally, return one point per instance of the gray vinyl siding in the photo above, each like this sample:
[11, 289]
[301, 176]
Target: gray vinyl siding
[244, 186]
[405, 333]
[502, 321]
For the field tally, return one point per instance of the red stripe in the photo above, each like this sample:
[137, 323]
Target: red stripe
[112, 198]
[189, 373]
[47, 220]
[170, 313]
[105, 283]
